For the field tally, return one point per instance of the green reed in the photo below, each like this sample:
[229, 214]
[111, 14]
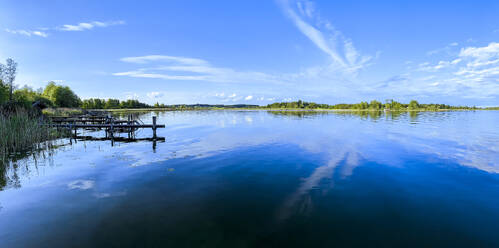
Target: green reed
[21, 131]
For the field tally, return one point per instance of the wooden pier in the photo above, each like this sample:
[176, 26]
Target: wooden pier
[108, 123]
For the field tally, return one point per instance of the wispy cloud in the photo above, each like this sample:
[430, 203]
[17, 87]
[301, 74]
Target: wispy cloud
[27, 32]
[322, 33]
[191, 69]
[233, 97]
[150, 58]
[442, 64]
[447, 49]
[155, 94]
[82, 26]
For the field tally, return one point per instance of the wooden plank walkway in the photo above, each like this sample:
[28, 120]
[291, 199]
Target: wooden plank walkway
[97, 122]
[106, 125]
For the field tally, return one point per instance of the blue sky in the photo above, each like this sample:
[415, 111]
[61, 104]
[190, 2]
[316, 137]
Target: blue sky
[258, 52]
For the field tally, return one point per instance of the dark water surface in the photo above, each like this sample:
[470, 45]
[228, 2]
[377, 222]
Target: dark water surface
[265, 179]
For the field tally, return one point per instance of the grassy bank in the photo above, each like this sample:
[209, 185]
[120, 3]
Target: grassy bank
[62, 111]
[21, 131]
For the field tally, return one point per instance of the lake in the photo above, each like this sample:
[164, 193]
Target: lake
[264, 179]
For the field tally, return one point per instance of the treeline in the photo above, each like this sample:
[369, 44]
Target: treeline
[96, 103]
[206, 106]
[373, 105]
[59, 96]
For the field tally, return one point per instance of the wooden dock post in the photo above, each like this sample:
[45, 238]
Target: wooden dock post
[111, 129]
[74, 126]
[154, 127]
[129, 122]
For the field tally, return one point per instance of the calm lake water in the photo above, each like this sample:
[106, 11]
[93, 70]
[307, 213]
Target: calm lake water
[265, 179]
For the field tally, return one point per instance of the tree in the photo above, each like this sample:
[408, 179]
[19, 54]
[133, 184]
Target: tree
[4, 92]
[112, 104]
[375, 105]
[27, 96]
[8, 75]
[61, 96]
[413, 104]
[299, 104]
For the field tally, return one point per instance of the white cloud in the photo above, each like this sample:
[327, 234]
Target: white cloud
[81, 184]
[89, 25]
[481, 53]
[27, 32]
[41, 32]
[331, 41]
[448, 49]
[150, 58]
[442, 64]
[155, 94]
[192, 69]
[224, 97]
[472, 73]
[131, 95]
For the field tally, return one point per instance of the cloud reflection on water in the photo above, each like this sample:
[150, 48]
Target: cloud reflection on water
[467, 138]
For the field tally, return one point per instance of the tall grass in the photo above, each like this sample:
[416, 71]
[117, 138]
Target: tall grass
[62, 111]
[21, 131]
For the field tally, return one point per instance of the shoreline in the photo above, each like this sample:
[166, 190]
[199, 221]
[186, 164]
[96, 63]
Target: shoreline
[290, 110]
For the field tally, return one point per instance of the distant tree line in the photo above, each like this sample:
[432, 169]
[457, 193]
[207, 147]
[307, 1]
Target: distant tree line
[96, 103]
[373, 105]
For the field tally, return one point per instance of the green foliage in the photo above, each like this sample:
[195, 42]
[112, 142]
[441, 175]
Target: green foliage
[27, 96]
[21, 130]
[373, 105]
[4, 92]
[112, 104]
[61, 96]
[95, 103]
[133, 104]
[413, 104]
[8, 75]
[62, 111]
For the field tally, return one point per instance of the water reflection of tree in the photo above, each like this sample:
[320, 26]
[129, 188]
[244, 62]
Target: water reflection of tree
[3, 175]
[299, 114]
[414, 116]
[367, 115]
